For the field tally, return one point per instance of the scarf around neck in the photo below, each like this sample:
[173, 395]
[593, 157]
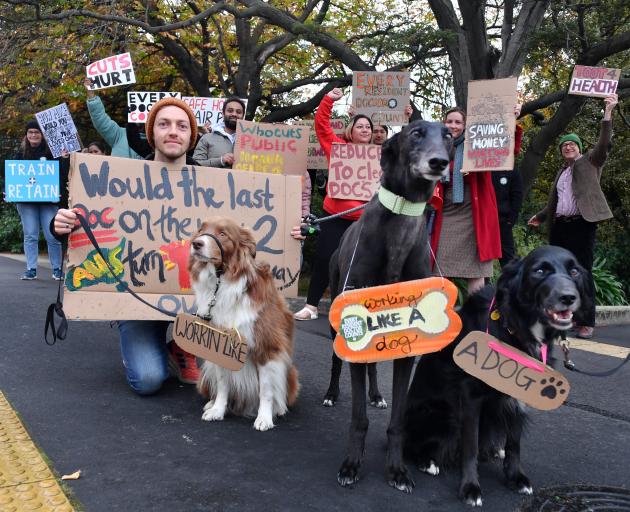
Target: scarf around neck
[458, 177]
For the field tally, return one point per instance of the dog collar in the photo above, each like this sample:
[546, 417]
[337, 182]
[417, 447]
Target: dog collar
[399, 205]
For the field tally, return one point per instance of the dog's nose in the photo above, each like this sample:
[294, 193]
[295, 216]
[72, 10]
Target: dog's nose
[438, 164]
[568, 298]
[197, 245]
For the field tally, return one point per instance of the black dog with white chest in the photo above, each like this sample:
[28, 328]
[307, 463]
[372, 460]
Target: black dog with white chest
[454, 418]
[388, 244]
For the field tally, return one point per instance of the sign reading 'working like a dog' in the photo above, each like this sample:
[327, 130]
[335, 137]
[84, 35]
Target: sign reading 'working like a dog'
[207, 110]
[594, 82]
[202, 338]
[31, 181]
[59, 130]
[382, 96]
[354, 171]
[271, 148]
[511, 371]
[139, 104]
[315, 155]
[490, 125]
[111, 72]
[143, 214]
[394, 321]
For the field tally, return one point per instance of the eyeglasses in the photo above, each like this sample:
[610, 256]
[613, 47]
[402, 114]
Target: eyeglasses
[571, 145]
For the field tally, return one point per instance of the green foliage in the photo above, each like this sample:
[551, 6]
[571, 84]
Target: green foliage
[608, 289]
[10, 229]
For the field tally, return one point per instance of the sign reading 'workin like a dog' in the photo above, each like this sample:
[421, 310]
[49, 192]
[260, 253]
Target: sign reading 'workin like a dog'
[224, 347]
[388, 322]
[594, 82]
[354, 171]
[511, 371]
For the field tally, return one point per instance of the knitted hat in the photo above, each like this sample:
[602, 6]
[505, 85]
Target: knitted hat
[570, 137]
[32, 125]
[165, 102]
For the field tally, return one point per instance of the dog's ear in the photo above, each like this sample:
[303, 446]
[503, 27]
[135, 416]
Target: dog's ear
[509, 281]
[247, 241]
[390, 151]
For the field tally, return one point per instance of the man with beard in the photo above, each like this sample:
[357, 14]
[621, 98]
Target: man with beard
[215, 149]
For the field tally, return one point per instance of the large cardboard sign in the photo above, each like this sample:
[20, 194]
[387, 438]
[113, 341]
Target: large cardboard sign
[271, 148]
[315, 156]
[595, 82]
[207, 110]
[31, 181]
[224, 347]
[355, 171]
[490, 125]
[111, 72]
[511, 371]
[394, 321]
[143, 215]
[382, 96]
[59, 130]
[139, 104]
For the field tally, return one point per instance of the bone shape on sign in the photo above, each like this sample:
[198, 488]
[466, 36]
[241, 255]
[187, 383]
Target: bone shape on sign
[428, 316]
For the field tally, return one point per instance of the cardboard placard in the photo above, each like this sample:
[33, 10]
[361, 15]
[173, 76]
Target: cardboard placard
[111, 72]
[594, 82]
[224, 347]
[207, 110]
[59, 130]
[143, 214]
[490, 125]
[139, 104]
[355, 171]
[315, 156]
[383, 96]
[31, 181]
[388, 322]
[537, 385]
[271, 148]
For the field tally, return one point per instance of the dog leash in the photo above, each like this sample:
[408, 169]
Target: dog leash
[570, 365]
[311, 222]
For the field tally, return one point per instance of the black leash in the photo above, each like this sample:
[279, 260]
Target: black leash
[570, 365]
[311, 222]
[61, 331]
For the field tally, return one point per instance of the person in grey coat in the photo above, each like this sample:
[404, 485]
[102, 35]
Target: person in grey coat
[577, 203]
[216, 149]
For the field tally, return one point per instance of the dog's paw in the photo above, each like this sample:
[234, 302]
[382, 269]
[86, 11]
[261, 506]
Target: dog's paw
[400, 479]
[329, 400]
[520, 483]
[348, 473]
[209, 405]
[500, 454]
[378, 402]
[261, 423]
[430, 469]
[213, 414]
[471, 494]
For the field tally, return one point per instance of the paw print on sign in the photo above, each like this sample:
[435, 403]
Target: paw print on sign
[553, 388]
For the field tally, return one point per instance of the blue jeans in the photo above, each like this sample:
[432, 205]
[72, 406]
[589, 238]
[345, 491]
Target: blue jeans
[144, 354]
[34, 215]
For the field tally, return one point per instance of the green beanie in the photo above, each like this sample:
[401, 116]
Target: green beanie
[572, 137]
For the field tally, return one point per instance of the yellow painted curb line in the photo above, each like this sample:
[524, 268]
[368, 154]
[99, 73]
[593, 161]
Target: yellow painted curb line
[597, 347]
[26, 481]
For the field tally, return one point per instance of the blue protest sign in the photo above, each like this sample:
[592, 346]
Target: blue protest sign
[31, 181]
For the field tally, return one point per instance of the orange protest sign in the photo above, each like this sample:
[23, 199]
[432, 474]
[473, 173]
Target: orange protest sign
[511, 371]
[388, 322]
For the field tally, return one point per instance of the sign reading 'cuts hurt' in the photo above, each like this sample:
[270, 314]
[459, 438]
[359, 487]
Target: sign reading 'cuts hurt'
[354, 171]
[394, 321]
[111, 72]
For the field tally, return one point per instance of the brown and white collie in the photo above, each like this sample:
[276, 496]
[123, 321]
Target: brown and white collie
[247, 300]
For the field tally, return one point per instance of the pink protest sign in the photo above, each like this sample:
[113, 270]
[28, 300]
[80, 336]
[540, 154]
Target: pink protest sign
[355, 171]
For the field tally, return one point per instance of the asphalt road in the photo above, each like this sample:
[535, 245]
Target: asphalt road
[155, 454]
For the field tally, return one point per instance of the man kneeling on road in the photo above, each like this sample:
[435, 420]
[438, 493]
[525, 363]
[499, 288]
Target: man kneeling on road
[171, 130]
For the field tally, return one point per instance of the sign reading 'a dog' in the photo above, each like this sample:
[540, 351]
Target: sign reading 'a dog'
[224, 347]
[511, 371]
[354, 171]
[594, 82]
[490, 125]
[388, 322]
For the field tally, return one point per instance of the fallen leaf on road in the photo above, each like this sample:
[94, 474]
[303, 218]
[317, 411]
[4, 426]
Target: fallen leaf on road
[74, 476]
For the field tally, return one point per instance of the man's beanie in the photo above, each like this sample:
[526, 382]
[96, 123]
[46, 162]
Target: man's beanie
[571, 137]
[32, 125]
[165, 102]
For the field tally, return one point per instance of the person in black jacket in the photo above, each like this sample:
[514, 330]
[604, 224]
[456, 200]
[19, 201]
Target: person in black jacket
[508, 188]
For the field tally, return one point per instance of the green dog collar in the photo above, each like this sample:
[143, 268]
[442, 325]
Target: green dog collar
[399, 205]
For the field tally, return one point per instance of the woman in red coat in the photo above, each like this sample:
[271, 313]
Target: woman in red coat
[359, 131]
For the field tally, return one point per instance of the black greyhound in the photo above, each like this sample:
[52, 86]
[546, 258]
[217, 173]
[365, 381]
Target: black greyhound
[388, 244]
